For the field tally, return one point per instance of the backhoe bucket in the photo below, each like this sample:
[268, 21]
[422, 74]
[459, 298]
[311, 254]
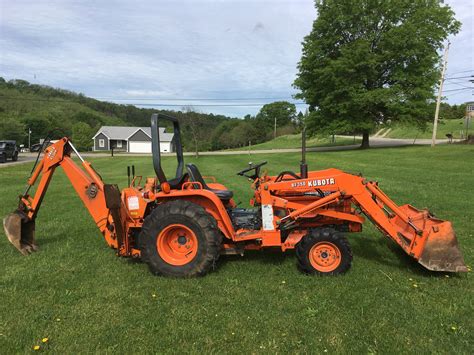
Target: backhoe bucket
[437, 247]
[20, 232]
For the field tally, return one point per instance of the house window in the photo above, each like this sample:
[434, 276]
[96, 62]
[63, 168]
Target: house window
[119, 144]
[101, 143]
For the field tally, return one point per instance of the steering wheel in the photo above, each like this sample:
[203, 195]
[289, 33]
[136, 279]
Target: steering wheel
[256, 174]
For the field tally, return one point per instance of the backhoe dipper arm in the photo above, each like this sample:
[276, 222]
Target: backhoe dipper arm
[86, 182]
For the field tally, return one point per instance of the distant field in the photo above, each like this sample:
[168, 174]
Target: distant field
[76, 292]
[294, 141]
[444, 127]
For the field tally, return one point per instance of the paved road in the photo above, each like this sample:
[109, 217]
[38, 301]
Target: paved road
[375, 142]
[22, 158]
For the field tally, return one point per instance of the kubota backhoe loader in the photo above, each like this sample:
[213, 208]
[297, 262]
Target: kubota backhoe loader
[180, 226]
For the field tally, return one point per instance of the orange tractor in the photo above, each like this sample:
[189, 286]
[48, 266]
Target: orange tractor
[181, 226]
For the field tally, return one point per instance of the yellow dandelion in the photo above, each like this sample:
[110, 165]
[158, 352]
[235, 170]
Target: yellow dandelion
[44, 340]
[410, 279]
[415, 285]
[153, 295]
[453, 327]
[283, 282]
[58, 319]
[36, 347]
[446, 276]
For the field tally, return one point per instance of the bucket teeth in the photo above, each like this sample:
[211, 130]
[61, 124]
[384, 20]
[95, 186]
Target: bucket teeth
[20, 233]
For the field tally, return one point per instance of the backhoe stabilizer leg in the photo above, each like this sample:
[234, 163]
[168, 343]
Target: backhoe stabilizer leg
[20, 232]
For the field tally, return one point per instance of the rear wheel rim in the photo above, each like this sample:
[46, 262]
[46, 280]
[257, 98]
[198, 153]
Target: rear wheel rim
[325, 256]
[177, 244]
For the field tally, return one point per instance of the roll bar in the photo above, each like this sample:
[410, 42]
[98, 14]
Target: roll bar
[155, 146]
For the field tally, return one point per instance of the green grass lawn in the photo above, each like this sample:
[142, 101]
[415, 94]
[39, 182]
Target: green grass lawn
[76, 292]
[294, 141]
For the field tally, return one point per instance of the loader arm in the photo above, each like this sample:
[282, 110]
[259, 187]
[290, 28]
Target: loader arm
[429, 240]
[102, 201]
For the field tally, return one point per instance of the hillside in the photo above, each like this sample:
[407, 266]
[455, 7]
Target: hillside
[45, 109]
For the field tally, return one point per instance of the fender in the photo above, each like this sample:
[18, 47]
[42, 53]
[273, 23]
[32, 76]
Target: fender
[209, 201]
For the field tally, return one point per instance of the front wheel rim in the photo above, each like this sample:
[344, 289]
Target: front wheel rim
[325, 256]
[177, 244]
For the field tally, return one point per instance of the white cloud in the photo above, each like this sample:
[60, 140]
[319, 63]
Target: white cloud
[170, 49]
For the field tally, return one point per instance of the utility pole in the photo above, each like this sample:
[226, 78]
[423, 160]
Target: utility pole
[440, 92]
[29, 139]
[275, 129]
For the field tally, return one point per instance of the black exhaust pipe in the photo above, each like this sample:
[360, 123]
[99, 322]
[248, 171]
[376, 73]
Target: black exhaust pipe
[303, 165]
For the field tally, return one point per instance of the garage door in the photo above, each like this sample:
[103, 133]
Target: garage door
[140, 147]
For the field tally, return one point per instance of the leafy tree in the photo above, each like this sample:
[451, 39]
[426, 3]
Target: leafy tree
[39, 126]
[12, 129]
[82, 135]
[244, 133]
[90, 118]
[368, 61]
[220, 135]
[283, 111]
[453, 112]
[193, 124]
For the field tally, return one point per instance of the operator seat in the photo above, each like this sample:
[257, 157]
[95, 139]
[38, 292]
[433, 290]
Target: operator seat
[195, 175]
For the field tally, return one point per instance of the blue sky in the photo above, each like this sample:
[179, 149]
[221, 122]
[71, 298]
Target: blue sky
[172, 50]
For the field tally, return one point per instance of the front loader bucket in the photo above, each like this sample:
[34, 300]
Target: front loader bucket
[20, 232]
[441, 251]
[437, 247]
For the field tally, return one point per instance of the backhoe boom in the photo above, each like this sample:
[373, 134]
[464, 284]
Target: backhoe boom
[87, 184]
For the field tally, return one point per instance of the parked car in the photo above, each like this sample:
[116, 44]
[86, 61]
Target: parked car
[36, 147]
[8, 150]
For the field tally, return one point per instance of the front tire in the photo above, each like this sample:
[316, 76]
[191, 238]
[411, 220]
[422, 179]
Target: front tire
[324, 252]
[180, 239]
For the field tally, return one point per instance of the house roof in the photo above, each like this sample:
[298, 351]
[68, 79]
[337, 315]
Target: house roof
[125, 132]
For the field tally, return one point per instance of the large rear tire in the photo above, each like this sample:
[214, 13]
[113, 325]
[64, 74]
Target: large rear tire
[324, 252]
[15, 157]
[180, 239]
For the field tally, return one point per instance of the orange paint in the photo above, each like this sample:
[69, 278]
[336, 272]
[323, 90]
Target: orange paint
[177, 244]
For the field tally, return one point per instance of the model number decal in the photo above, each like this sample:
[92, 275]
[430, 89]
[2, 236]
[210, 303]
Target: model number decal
[314, 183]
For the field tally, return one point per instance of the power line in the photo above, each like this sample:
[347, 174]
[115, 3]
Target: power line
[155, 104]
[463, 71]
[459, 84]
[466, 88]
[192, 99]
[460, 77]
[456, 93]
[211, 105]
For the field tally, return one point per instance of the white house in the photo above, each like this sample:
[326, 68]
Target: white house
[130, 139]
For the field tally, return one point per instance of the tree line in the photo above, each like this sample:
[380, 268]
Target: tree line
[57, 112]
